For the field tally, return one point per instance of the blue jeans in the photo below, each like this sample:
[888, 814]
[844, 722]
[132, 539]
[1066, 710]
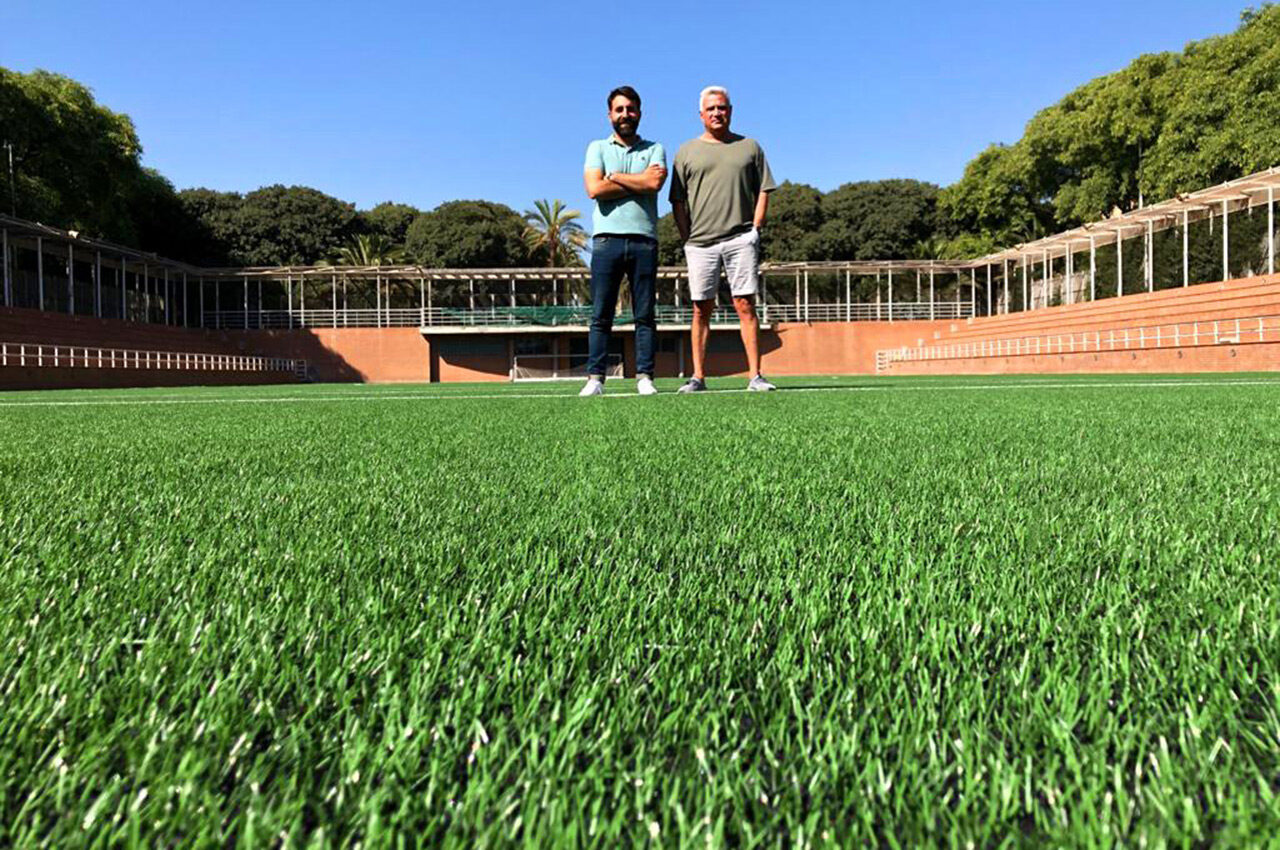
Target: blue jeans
[611, 258]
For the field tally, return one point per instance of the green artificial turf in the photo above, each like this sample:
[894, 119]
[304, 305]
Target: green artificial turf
[988, 612]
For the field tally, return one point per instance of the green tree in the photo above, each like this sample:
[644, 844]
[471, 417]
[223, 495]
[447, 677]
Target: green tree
[670, 250]
[468, 234]
[215, 215]
[390, 220]
[1166, 124]
[289, 225]
[878, 220]
[795, 215]
[368, 249]
[552, 232]
[77, 163]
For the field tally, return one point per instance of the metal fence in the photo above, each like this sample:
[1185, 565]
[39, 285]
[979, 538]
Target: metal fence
[428, 317]
[1176, 335]
[27, 354]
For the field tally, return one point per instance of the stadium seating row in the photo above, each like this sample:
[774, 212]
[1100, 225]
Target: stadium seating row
[1224, 326]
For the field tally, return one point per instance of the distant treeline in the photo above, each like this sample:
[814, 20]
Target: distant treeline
[1168, 123]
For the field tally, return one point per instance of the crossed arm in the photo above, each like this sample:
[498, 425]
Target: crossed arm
[603, 187]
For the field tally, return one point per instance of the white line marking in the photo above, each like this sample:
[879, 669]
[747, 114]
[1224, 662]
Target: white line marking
[168, 400]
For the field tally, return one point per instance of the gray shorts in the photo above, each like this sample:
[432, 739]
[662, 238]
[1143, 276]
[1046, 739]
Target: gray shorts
[740, 257]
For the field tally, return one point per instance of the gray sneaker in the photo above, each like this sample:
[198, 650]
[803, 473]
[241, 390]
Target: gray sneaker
[693, 385]
[759, 385]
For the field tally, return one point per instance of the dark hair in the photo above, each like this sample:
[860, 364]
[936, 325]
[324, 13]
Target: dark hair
[627, 92]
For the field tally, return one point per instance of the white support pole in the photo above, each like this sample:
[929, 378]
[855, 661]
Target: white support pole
[377, 298]
[71, 278]
[422, 301]
[1093, 268]
[471, 283]
[1120, 262]
[259, 303]
[346, 319]
[932, 305]
[1048, 267]
[302, 301]
[1271, 230]
[988, 289]
[146, 293]
[1004, 282]
[333, 285]
[288, 288]
[806, 295]
[1186, 248]
[97, 284]
[1067, 295]
[245, 280]
[918, 285]
[1151, 256]
[959, 286]
[1025, 293]
[1226, 250]
[200, 286]
[891, 293]
[431, 292]
[40, 269]
[798, 309]
[513, 292]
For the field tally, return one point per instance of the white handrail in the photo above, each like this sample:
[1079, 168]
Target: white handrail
[1245, 329]
[41, 355]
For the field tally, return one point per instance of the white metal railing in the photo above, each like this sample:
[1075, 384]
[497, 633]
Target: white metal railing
[39, 355]
[1177, 335]
[496, 316]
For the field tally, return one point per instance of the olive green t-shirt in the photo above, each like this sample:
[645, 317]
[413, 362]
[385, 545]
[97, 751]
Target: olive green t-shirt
[720, 182]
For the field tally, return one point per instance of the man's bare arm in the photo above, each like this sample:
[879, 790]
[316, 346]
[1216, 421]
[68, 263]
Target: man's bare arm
[647, 182]
[762, 210]
[680, 212]
[599, 188]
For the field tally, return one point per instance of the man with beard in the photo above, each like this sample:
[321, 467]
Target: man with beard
[623, 175]
[720, 187]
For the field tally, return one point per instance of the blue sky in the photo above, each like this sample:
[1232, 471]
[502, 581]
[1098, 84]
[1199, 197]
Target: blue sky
[427, 102]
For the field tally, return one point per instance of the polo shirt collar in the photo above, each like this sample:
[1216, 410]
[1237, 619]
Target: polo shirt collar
[613, 137]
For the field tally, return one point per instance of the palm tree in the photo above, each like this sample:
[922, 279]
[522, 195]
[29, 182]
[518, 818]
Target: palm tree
[368, 249]
[552, 229]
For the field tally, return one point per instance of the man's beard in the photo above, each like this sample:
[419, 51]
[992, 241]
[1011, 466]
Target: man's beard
[623, 130]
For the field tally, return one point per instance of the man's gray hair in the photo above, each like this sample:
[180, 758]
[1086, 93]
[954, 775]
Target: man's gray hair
[710, 90]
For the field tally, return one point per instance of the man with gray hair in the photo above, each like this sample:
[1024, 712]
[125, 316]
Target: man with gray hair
[720, 185]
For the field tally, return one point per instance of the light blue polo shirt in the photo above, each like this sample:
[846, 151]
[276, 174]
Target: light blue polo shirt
[635, 215]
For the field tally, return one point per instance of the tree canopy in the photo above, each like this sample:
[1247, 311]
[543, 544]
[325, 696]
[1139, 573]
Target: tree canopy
[1168, 123]
[77, 163]
[389, 219]
[468, 234]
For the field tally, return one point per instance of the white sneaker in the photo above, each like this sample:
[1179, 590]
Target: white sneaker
[644, 386]
[759, 385]
[594, 386]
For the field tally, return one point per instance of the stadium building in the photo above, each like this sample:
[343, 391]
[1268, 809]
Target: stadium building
[1181, 286]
